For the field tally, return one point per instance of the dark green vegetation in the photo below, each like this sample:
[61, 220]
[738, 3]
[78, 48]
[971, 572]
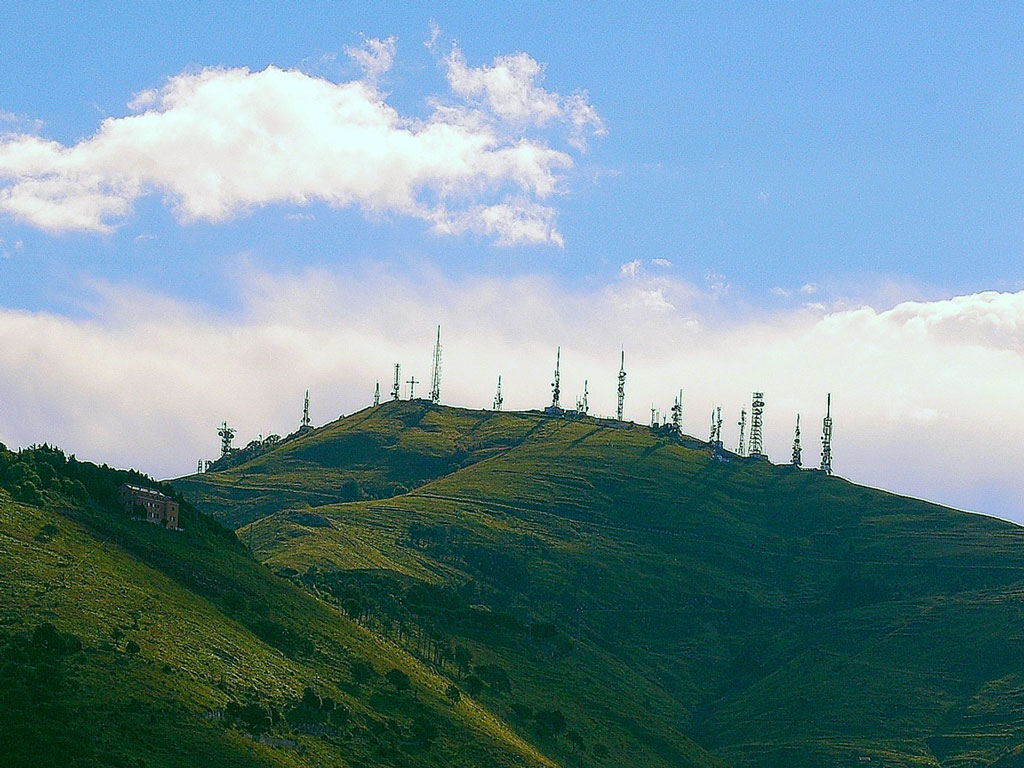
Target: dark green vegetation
[123, 643]
[621, 600]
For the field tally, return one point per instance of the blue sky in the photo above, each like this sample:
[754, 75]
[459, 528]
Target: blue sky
[764, 168]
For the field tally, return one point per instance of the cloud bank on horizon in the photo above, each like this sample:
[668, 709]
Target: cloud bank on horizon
[912, 386]
[220, 141]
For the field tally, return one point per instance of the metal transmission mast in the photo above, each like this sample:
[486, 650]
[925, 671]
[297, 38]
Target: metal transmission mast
[622, 385]
[376, 394]
[711, 434]
[718, 426]
[797, 448]
[741, 448]
[305, 412]
[556, 385]
[677, 414]
[498, 399]
[226, 434]
[412, 382]
[435, 378]
[826, 438]
[756, 422]
[581, 403]
[396, 388]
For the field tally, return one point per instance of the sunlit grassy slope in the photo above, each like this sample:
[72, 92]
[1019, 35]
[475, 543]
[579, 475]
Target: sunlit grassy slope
[126, 644]
[773, 617]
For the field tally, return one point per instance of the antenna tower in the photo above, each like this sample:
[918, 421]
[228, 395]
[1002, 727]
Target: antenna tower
[498, 399]
[756, 422]
[396, 387]
[556, 385]
[435, 378]
[622, 385]
[581, 404]
[797, 448]
[412, 382]
[305, 411]
[711, 434]
[226, 434]
[677, 414]
[199, 467]
[741, 448]
[826, 438]
[718, 425]
[376, 394]
[654, 416]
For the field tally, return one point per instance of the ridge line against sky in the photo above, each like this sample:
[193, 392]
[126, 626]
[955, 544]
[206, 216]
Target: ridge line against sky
[793, 199]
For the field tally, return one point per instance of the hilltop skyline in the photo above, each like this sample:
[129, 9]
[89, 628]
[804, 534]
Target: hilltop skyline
[203, 214]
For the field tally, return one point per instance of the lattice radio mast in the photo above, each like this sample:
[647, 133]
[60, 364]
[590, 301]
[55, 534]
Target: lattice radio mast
[797, 448]
[622, 385]
[435, 378]
[498, 399]
[756, 422]
[396, 388]
[376, 394]
[677, 414]
[227, 434]
[826, 438]
[741, 448]
[305, 412]
[581, 404]
[556, 385]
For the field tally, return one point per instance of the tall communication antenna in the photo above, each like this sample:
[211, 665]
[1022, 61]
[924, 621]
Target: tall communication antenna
[226, 434]
[498, 399]
[741, 448]
[435, 378]
[412, 382]
[376, 394]
[396, 390]
[756, 422]
[581, 403]
[305, 412]
[654, 416]
[199, 467]
[718, 425]
[677, 414]
[556, 385]
[826, 438]
[622, 385]
[797, 448]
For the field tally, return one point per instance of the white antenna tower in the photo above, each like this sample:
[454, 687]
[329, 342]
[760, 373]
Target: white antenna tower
[622, 385]
[711, 434]
[581, 403]
[718, 426]
[654, 416]
[305, 412]
[756, 422]
[376, 394]
[677, 414]
[741, 448]
[226, 434]
[797, 448]
[396, 388]
[498, 399]
[556, 385]
[826, 438]
[435, 378]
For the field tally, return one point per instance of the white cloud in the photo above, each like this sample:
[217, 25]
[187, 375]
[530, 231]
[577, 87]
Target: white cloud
[779, 291]
[221, 141]
[808, 288]
[665, 263]
[630, 268]
[924, 394]
[375, 57]
[510, 89]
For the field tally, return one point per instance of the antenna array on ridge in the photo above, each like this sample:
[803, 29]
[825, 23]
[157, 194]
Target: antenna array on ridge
[376, 394]
[826, 438]
[435, 378]
[498, 399]
[677, 414]
[622, 385]
[305, 412]
[741, 448]
[556, 385]
[797, 448]
[226, 434]
[756, 421]
[396, 388]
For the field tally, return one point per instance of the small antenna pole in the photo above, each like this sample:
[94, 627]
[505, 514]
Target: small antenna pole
[654, 416]
[435, 378]
[826, 438]
[396, 387]
[741, 448]
[797, 448]
[498, 399]
[376, 394]
[556, 385]
[622, 385]
[581, 405]
[305, 411]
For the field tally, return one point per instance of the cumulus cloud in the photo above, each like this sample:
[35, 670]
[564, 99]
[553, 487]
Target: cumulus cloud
[221, 141]
[923, 393]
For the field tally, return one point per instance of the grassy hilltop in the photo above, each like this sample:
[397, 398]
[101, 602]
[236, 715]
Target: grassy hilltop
[669, 607]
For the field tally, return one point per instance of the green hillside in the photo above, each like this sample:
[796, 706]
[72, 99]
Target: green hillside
[123, 643]
[655, 597]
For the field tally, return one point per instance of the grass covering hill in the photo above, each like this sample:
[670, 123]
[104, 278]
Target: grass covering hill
[123, 643]
[664, 603]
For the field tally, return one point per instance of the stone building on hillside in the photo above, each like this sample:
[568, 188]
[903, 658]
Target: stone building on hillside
[149, 505]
